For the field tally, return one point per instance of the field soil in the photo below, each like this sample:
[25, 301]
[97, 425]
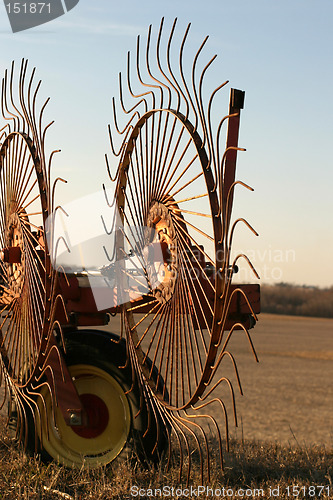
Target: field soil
[288, 396]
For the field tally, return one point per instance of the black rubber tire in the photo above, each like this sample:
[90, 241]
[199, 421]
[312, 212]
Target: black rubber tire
[148, 435]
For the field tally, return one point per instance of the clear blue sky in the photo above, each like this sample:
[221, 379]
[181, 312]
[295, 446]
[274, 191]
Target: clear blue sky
[278, 51]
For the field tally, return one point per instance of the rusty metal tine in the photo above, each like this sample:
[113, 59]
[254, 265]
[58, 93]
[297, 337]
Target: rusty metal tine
[215, 150]
[188, 98]
[248, 261]
[198, 100]
[18, 126]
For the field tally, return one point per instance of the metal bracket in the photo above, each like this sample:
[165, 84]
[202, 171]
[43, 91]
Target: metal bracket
[237, 98]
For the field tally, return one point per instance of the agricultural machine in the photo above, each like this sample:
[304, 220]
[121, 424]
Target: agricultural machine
[77, 392]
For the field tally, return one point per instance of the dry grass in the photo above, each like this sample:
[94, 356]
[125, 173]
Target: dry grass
[289, 389]
[248, 465]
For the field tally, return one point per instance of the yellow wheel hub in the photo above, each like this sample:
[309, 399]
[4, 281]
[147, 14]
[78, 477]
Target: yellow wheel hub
[109, 421]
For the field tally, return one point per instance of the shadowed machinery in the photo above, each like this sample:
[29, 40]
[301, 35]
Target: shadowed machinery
[76, 392]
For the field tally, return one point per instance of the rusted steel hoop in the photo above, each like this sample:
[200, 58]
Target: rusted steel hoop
[218, 246]
[36, 339]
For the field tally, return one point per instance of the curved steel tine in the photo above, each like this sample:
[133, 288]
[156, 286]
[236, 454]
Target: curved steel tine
[48, 388]
[232, 393]
[5, 104]
[135, 105]
[49, 177]
[218, 361]
[121, 149]
[215, 423]
[237, 221]
[115, 153]
[248, 261]
[149, 92]
[3, 131]
[223, 208]
[202, 115]
[172, 433]
[51, 317]
[160, 414]
[113, 225]
[40, 121]
[29, 102]
[58, 179]
[33, 407]
[42, 141]
[34, 121]
[226, 213]
[189, 98]
[112, 258]
[181, 92]
[130, 87]
[168, 106]
[18, 116]
[198, 99]
[187, 425]
[180, 434]
[242, 327]
[231, 189]
[61, 269]
[218, 135]
[174, 87]
[52, 217]
[241, 291]
[110, 205]
[24, 66]
[60, 239]
[36, 412]
[159, 87]
[215, 150]
[128, 124]
[5, 396]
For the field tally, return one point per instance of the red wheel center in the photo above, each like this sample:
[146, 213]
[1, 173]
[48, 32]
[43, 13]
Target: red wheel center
[97, 414]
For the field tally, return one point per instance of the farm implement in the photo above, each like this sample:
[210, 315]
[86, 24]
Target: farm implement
[76, 392]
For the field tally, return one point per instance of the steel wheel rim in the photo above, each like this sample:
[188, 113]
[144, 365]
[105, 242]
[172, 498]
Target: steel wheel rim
[178, 182]
[67, 444]
[24, 285]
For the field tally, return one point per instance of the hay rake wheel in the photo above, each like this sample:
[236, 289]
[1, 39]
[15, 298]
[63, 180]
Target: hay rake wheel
[31, 307]
[24, 260]
[174, 179]
[26, 281]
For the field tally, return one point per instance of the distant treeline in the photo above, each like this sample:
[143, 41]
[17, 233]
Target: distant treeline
[295, 300]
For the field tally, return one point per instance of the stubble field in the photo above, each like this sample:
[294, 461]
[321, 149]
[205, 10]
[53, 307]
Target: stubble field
[284, 438]
[289, 394]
